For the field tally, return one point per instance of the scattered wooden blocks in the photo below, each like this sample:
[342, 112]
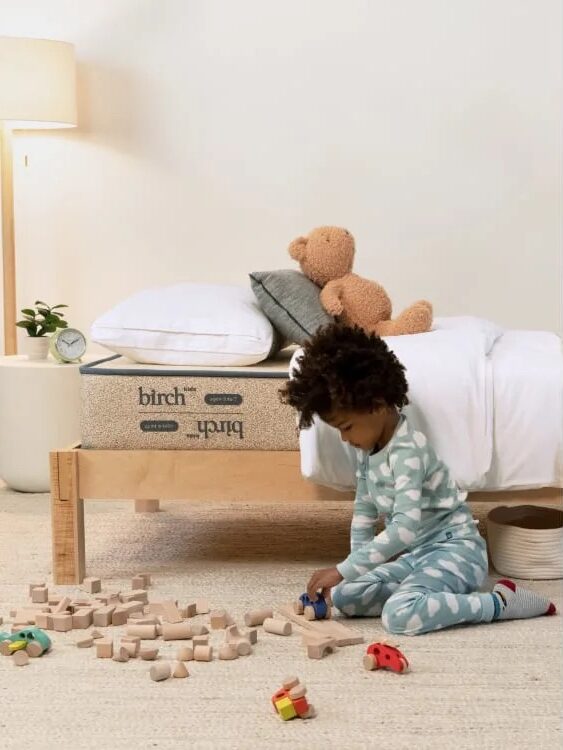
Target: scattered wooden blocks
[92, 585]
[344, 635]
[44, 621]
[104, 648]
[86, 641]
[145, 632]
[190, 610]
[20, 658]
[200, 630]
[180, 670]
[243, 647]
[132, 647]
[119, 617]
[102, 617]
[148, 654]
[121, 654]
[252, 636]
[176, 631]
[96, 634]
[257, 617]
[62, 622]
[35, 586]
[170, 612]
[201, 607]
[134, 596]
[185, 653]
[228, 652]
[82, 619]
[203, 653]
[219, 619]
[279, 627]
[317, 648]
[160, 671]
[138, 582]
[200, 640]
[39, 595]
[62, 606]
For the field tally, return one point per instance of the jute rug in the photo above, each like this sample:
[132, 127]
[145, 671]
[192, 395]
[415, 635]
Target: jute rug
[488, 686]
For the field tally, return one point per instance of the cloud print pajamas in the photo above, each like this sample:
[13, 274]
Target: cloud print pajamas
[423, 571]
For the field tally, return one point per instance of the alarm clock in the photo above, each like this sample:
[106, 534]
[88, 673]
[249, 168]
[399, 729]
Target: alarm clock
[67, 345]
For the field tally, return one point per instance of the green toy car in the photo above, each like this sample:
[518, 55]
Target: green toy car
[34, 640]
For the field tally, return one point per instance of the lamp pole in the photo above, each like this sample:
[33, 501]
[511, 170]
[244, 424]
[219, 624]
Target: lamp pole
[8, 244]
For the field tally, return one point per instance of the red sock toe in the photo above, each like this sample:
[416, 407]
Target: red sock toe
[508, 583]
[552, 609]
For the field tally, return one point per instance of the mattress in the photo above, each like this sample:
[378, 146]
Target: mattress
[127, 405]
[494, 414]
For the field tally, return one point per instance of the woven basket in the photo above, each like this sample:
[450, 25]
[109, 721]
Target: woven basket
[526, 541]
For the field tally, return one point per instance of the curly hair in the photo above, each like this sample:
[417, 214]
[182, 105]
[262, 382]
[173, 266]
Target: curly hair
[344, 368]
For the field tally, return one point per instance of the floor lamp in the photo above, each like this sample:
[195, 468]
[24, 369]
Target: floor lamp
[37, 90]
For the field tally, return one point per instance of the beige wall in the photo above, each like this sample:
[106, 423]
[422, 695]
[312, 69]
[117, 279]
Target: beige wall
[214, 131]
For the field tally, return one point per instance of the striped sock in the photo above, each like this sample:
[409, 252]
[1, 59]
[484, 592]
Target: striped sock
[513, 602]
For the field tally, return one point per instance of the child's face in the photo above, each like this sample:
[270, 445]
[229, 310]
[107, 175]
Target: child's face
[361, 429]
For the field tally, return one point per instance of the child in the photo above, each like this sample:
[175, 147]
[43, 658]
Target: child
[424, 570]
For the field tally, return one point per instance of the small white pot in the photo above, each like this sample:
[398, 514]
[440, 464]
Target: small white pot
[36, 347]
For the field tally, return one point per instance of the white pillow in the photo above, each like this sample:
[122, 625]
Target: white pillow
[188, 324]
[490, 330]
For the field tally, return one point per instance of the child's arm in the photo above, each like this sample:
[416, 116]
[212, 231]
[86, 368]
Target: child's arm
[364, 515]
[408, 472]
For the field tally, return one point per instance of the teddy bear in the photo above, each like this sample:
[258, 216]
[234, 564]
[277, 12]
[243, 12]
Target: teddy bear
[326, 256]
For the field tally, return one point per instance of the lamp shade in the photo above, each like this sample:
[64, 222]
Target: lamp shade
[37, 83]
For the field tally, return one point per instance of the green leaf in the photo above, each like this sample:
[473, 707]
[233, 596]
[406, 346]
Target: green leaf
[38, 302]
[28, 311]
[57, 306]
[24, 324]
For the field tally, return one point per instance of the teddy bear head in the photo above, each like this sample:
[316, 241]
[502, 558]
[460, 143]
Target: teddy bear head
[326, 253]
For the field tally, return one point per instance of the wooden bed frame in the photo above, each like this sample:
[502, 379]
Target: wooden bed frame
[147, 476]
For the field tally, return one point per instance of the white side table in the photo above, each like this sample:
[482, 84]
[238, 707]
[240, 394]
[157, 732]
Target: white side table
[39, 412]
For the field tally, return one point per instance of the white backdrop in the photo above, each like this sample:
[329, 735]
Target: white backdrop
[215, 131]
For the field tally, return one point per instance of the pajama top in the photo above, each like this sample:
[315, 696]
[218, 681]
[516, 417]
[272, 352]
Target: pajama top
[408, 484]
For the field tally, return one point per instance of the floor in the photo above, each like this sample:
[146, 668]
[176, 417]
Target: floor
[488, 686]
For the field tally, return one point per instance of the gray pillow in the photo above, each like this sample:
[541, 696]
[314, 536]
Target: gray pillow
[291, 302]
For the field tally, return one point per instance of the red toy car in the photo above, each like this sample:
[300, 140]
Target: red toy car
[384, 656]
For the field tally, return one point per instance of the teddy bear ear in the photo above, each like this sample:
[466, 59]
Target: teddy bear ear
[297, 248]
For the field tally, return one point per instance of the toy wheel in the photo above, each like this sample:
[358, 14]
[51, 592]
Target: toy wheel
[369, 662]
[298, 607]
[34, 649]
[309, 613]
[299, 691]
[5, 648]
[405, 666]
[311, 713]
[290, 682]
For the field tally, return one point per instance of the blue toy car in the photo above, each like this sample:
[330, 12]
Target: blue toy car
[312, 610]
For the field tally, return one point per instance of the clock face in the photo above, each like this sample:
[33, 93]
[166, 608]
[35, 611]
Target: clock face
[70, 343]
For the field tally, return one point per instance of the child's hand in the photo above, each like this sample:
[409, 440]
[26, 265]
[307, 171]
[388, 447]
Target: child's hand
[324, 580]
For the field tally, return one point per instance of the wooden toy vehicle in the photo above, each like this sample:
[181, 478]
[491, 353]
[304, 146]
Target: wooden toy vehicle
[33, 640]
[383, 656]
[312, 610]
[290, 702]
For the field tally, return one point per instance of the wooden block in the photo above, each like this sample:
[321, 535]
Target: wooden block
[185, 653]
[203, 653]
[343, 635]
[243, 647]
[82, 619]
[44, 621]
[119, 616]
[35, 586]
[146, 580]
[62, 606]
[201, 607]
[121, 654]
[154, 608]
[176, 631]
[160, 671]
[96, 634]
[108, 597]
[180, 670]
[20, 658]
[139, 619]
[39, 595]
[25, 616]
[170, 612]
[54, 599]
[146, 632]
[321, 648]
[201, 640]
[138, 582]
[219, 619]
[200, 630]
[132, 608]
[104, 648]
[228, 652]
[257, 616]
[92, 585]
[148, 654]
[232, 634]
[279, 627]
[132, 647]
[86, 641]
[62, 622]
[102, 617]
[131, 639]
[190, 610]
[252, 636]
[140, 595]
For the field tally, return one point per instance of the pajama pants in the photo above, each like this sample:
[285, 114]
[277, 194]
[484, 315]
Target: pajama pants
[432, 587]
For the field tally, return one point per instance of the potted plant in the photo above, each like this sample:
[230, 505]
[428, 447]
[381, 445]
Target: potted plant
[39, 322]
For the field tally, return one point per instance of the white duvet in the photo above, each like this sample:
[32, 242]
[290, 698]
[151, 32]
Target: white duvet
[493, 416]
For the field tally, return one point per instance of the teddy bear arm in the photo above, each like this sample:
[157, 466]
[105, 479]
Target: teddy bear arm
[331, 298]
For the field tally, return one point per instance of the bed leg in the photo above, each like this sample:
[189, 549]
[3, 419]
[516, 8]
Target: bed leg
[147, 506]
[67, 519]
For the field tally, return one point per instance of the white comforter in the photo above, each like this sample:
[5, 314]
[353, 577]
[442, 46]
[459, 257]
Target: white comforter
[458, 389]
